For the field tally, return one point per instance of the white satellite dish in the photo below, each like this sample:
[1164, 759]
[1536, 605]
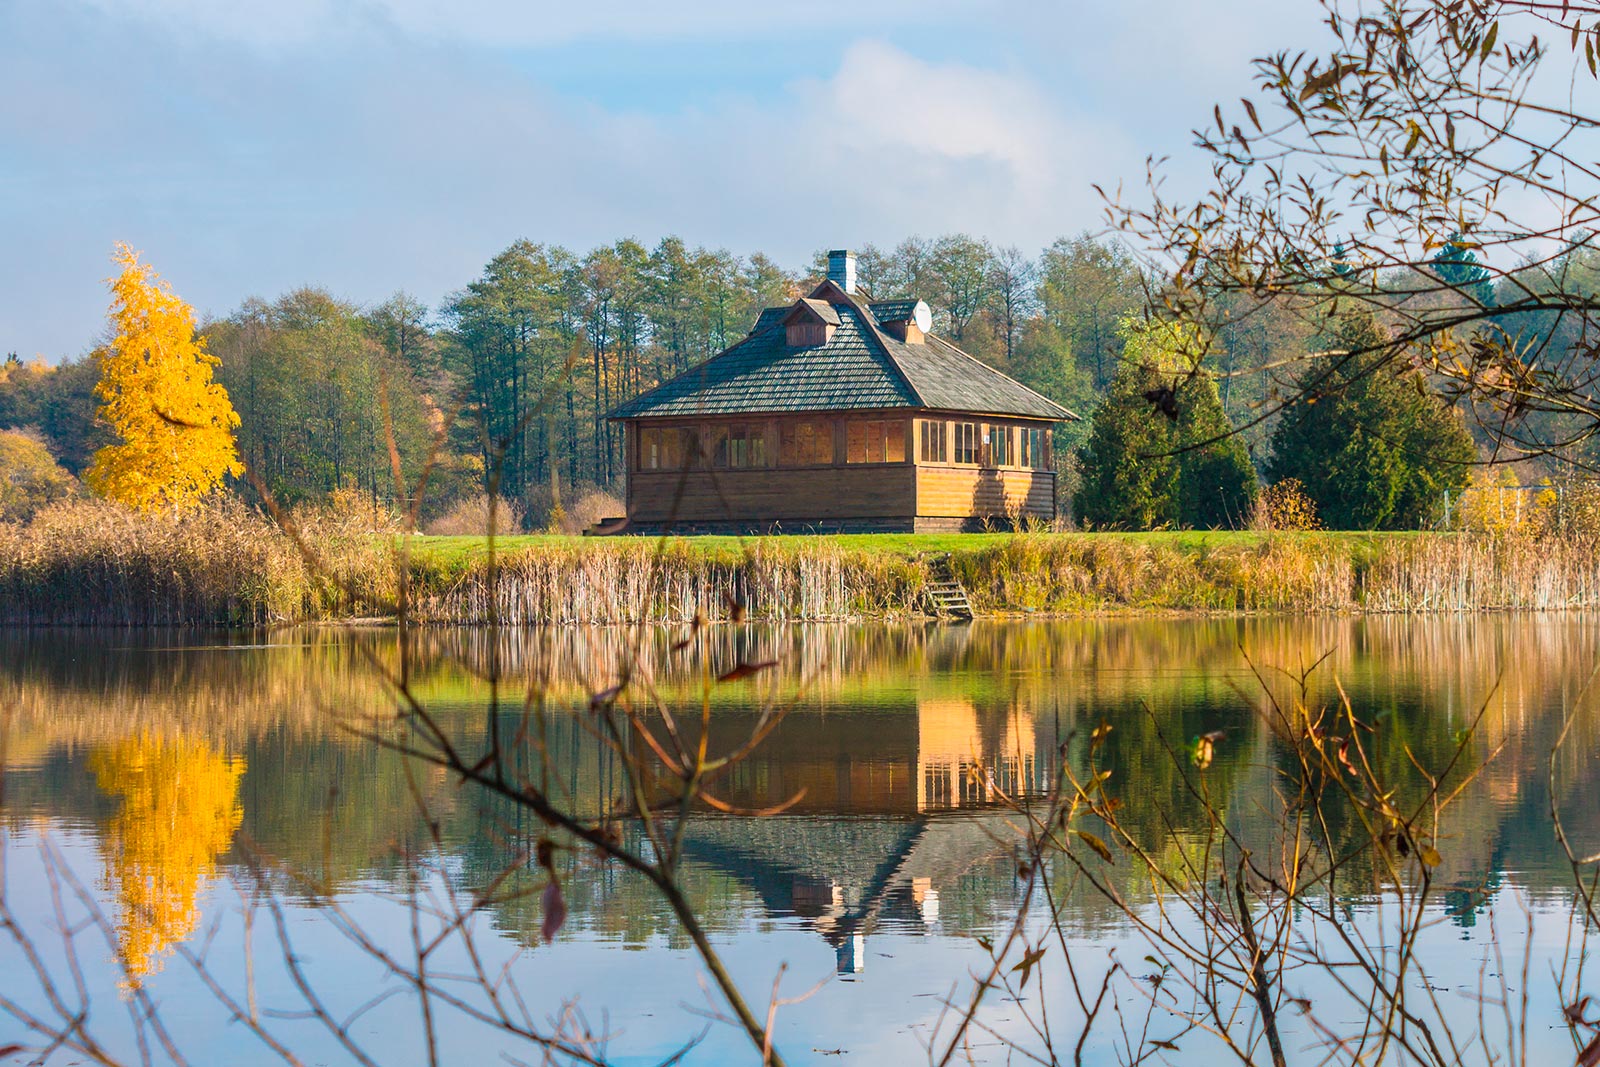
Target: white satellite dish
[922, 315]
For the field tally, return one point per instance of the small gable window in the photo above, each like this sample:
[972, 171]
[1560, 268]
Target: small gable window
[810, 323]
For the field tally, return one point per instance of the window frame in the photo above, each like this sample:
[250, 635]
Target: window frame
[968, 445]
[820, 439]
[937, 432]
[1001, 447]
[654, 455]
[746, 434]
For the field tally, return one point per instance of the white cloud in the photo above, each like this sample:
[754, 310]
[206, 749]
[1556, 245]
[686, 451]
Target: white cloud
[883, 99]
[358, 152]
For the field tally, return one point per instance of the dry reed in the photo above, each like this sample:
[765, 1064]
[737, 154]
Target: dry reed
[95, 564]
[92, 564]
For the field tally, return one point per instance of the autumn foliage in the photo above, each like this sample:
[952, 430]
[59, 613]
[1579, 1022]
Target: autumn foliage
[178, 812]
[175, 425]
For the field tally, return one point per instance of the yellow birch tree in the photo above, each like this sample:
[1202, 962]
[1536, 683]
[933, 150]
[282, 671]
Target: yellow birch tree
[174, 422]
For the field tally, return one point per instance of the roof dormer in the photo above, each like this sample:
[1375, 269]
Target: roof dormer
[810, 323]
[905, 320]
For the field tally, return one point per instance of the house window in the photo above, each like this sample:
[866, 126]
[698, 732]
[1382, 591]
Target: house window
[1033, 448]
[1000, 447]
[874, 441]
[806, 444]
[933, 443]
[1041, 449]
[740, 446]
[967, 442]
[663, 449]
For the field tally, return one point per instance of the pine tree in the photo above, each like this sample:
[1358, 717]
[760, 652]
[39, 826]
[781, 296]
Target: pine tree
[1161, 451]
[1457, 265]
[1373, 448]
[175, 425]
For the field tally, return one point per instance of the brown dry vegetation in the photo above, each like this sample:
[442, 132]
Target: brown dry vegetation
[93, 564]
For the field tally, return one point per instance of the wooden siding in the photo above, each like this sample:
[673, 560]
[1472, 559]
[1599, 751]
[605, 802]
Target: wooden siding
[959, 492]
[791, 495]
[842, 495]
[808, 334]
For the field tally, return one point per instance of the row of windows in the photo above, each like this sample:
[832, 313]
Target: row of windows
[983, 444]
[812, 443]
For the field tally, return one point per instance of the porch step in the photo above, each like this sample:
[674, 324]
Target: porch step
[945, 595]
[607, 527]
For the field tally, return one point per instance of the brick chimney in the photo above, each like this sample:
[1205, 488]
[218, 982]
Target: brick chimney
[842, 269]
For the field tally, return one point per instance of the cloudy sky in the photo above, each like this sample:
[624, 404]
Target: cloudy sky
[249, 146]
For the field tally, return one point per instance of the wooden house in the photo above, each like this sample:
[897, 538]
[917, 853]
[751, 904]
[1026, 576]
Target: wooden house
[839, 414]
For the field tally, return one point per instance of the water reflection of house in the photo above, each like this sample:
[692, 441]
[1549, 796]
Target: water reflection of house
[846, 877]
[896, 804]
[964, 760]
[918, 754]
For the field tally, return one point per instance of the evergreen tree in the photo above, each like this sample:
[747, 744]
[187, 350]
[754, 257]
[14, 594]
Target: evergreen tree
[1129, 474]
[1374, 448]
[1217, 482]
[1457, 265]
[1161, 451]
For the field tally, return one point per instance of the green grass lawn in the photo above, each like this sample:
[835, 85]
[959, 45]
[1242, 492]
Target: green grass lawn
[454, 549]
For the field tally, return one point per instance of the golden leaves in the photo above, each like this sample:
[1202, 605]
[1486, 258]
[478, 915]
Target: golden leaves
[1203, 749]
[174, 423]
[179, 811]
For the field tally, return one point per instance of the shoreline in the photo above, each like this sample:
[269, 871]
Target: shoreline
[235, 570]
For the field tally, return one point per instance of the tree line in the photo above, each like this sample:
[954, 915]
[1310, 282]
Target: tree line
[508, 381]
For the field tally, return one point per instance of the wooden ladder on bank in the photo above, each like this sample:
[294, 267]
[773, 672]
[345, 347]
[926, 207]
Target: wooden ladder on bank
[945, 594]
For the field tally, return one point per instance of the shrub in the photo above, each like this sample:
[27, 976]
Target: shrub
[1285, 506]
[469, 517]
[588, 507]
[1493, 503]
[30, 477]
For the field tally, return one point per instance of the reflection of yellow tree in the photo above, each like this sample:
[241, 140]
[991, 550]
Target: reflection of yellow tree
[180, 807]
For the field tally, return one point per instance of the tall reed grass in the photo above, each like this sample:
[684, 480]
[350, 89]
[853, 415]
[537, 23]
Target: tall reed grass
[628, 580]
[93, 564]
[1299, 572]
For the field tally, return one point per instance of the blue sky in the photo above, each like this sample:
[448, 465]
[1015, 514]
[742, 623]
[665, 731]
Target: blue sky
[374, 145]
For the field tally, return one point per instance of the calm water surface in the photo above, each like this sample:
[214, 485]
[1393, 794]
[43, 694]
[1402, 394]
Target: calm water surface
[167, 777]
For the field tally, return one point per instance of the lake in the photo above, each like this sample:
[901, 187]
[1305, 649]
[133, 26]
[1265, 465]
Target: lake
[198, 827]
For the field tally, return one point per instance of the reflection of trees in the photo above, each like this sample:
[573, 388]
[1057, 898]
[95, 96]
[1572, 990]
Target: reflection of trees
[179, 809]
[891, 720]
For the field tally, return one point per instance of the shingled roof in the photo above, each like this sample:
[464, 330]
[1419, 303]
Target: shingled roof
[861, 367]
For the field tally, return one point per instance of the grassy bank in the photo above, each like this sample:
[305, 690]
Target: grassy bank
[568, 579]
[84, 564]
